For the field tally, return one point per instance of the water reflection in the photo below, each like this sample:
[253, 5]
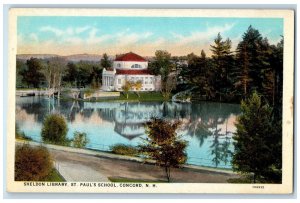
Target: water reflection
[208, 127]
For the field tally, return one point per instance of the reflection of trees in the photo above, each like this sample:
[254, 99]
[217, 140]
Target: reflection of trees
[202, 121]
[204, 116]
[220, 151]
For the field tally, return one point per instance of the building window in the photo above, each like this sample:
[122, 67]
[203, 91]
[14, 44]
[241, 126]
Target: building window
[119, 81]
[136, 66]
[118, 65]
[146, 88]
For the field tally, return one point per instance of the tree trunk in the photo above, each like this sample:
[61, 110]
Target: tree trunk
[254, 178]
[59, 86]
[167, 171]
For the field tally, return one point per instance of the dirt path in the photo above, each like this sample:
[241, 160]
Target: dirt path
[84, 167]
[79, 173]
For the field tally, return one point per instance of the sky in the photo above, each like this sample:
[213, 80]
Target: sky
[67, 35]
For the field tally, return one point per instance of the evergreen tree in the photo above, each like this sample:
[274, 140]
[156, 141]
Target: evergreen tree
[222, 60]
[105, 62]
[257, 142]
[252, 54]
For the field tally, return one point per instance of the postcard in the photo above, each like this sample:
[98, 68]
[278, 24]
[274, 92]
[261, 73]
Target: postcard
[150, 101]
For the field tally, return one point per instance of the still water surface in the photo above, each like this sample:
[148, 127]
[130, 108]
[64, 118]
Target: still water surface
[207, 126]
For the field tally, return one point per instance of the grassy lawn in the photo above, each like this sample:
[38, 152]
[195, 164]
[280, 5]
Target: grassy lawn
[132, 96]
[54, 176]
[131, 180]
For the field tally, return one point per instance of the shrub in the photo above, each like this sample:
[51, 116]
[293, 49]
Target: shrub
[124, 150]
[80, 140]
[32, 163]
[55, 130]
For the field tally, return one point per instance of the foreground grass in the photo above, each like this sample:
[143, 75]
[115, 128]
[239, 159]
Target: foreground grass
[54, 176]
[130, 180]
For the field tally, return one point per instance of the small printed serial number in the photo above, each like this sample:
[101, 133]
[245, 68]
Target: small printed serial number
[258, 186]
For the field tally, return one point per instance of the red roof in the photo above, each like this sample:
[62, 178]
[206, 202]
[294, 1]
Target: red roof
[132, 72]
[130, 57]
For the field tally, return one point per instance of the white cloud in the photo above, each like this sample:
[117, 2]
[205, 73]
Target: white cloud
[127, 38]
[201, 36]
[79, 30]
[56, 31]
[96, 39]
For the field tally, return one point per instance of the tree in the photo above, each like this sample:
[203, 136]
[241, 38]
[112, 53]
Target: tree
[168, 86]
[222, 60]
[57, 65]
[138, 86]
[80, 140]
[20, 70]
[257, 142]
[252, 57]
[127, 87]
[71, 75]
[32, 76]
[32, 163]
[55, 130]
[161, 65]
[163, 145]
[105, 62]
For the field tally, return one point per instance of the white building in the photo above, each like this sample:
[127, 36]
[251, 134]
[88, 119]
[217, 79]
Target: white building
[129, 67]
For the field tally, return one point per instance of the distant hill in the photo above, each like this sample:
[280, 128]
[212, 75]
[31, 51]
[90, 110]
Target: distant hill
[39, 56]
[83, 57]
[74, 58]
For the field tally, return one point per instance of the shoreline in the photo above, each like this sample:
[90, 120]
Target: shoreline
[112, 156]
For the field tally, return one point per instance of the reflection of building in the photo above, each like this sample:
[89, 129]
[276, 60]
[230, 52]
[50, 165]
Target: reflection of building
[129, 118]
[129, 130]
[129, 67]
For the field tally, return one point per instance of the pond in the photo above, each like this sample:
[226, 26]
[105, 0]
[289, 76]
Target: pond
[207, 126]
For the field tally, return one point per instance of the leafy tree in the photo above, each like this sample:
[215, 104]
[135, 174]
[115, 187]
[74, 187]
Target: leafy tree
[161, 65]
[20, 70]
[105, 62]
[127, 87]
[55, 130]
[168, 86]
[138, 86]
[32, 76]
[257, 142]
[80, 140]
[72, 74]
[32, 163]
[163, 145]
